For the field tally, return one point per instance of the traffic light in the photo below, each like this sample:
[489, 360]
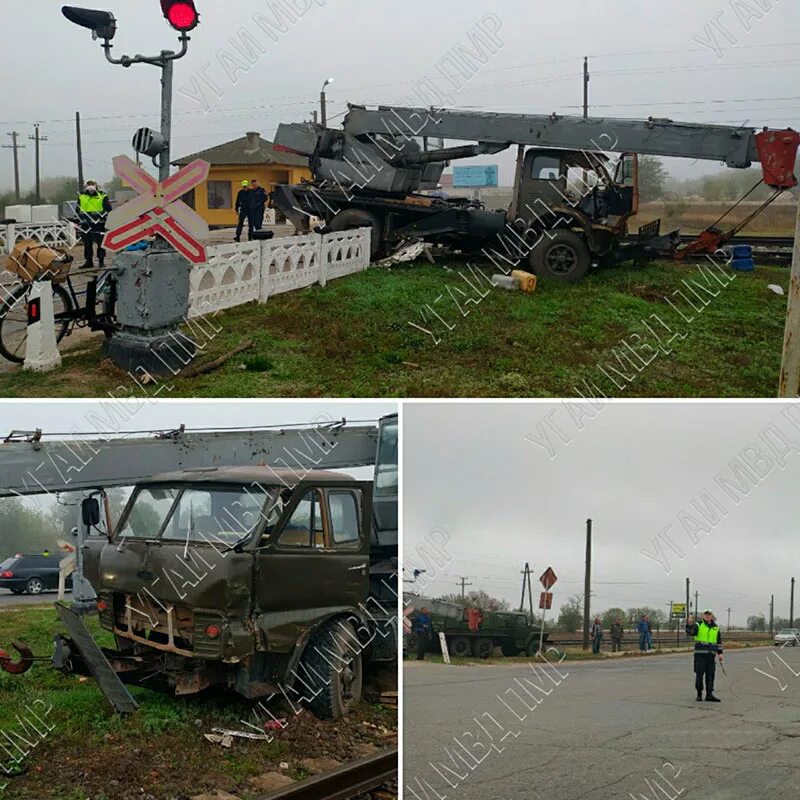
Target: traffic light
[181, 14]
[101, 23]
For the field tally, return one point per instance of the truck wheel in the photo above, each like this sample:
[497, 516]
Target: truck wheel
[334, 670]
[484, 648]
[533, 647]
[460, 647]
[356, 218]
[564, 257]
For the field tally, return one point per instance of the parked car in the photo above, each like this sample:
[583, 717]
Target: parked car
[787, 636]
[31, 574]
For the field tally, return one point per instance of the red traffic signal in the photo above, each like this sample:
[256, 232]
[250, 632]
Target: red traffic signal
[181, 14]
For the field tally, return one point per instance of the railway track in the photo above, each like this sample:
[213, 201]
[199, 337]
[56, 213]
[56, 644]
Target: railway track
[345, 783]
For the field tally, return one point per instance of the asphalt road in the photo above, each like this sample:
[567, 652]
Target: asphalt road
[604, 731]
[45, 598]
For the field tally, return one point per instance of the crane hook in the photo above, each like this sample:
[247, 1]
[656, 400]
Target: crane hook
[23, 665]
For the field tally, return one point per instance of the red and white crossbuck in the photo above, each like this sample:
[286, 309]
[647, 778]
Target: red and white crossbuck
[158, 210]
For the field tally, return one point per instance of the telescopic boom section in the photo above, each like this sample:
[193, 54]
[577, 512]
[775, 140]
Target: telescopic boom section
[736, 147]
[38, 465]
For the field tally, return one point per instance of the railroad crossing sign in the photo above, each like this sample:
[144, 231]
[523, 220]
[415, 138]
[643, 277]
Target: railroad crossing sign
[159, 210]
[548, 579]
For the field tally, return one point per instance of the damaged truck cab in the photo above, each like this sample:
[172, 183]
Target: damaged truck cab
[248, 577]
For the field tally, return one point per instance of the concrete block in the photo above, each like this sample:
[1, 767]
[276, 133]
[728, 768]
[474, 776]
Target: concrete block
[19, 213]
[44, 213]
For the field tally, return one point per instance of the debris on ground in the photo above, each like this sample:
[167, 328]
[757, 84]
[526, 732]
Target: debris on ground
[775, 288]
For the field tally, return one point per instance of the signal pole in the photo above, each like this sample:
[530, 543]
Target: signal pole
[16, 147]
[791, 606]
[38, 138]
[463, 585]
[771, 613]
[586, 79]
[587, 585]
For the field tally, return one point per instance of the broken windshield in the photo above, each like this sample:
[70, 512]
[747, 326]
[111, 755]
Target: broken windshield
[210, 514]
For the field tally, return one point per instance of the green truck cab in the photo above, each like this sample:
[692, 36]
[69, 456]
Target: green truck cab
[248, 577]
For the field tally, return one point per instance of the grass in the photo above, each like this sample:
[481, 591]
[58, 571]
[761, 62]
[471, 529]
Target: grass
[354, 338]
[93, 754]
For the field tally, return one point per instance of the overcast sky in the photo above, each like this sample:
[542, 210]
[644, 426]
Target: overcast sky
[54, 418]
[505, 499]
[645, 61]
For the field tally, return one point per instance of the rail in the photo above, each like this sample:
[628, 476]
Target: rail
[344, 783]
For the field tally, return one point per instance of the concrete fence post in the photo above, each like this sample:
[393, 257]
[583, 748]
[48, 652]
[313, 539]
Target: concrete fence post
[41, 354]
[323, 261]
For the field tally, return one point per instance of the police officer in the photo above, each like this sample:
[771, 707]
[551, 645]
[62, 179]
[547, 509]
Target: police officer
[422, 629]
[707, 644]
[93, 210]
[258, 204]
[243, 210]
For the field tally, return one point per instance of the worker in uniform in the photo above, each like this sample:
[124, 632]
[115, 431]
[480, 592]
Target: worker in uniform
[422, 629]
[707, 644]
[93, 209]
[243, 210]
[258, 204]
[617, 632]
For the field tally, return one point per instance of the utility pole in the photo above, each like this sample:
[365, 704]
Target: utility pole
[791, 606]
[38, 138]
[789, 383]
[16, 147]
[729, 619]
[530, 597]
[771, 614]
[464, 584]
[585, 100]
[587, 585]
[80, 150]
[696, 606]
[586, 79]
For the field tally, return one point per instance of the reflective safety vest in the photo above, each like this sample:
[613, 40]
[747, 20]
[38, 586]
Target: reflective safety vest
[92, 203]
[707, 638]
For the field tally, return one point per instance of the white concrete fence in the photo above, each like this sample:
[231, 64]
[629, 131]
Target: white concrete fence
[54, 234]
[255, 271]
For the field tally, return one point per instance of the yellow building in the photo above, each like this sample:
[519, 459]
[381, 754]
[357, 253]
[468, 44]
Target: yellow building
[233, 162]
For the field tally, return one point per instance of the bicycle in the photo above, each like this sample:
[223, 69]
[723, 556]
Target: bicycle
[68, 310]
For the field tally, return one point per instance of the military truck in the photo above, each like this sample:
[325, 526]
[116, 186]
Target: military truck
[260, 579]
[477, 633]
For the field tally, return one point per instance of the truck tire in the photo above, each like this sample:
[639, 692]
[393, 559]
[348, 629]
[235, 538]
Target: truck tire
[564, 258]
[356, 218]
[459, 646]
[483, 648]
[335, 672]
[533, 647]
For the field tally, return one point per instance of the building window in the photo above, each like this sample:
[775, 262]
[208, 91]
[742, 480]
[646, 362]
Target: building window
[219, 194]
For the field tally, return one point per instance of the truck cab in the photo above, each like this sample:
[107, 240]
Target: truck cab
[247, 577]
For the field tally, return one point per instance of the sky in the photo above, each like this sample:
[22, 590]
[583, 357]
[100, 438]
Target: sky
[698, 61]
[496, 485]
[63, 416]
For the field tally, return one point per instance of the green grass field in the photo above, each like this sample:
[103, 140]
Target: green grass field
[157, 753]
[355, 338]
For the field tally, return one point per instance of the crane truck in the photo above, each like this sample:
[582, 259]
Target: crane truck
[240, 560]
[379, 169]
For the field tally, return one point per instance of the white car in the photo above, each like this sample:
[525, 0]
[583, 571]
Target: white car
[787, 636]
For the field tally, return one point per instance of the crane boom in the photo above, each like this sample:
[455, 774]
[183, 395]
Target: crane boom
[30, 463]
[736, 146]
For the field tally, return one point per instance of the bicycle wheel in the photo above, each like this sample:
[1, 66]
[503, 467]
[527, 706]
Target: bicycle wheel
[14, 320]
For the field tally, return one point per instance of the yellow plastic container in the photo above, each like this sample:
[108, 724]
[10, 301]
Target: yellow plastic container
[527, 282]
